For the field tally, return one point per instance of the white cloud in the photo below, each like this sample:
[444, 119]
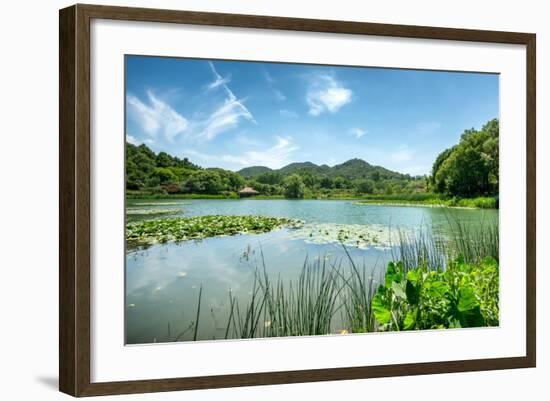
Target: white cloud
[325, 93]
[131, 139]
[246, 140]
[280, 96]
[288, 113]
[275, 156]
[218, 79]
[227, 115]
[156, 116]
[358, 132]
[402, 154]
[134, 141]
[418, 170]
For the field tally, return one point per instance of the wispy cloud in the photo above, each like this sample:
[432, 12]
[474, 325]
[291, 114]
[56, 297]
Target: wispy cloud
[218, 79]
[131, 139]
[288, 113]
[271, 82]
[156, 116]
[402, 154]
[246, 140]
[326, 94]
[275, 156]
[418, 169]
[135, 141]
[358, 132]
[227, 115]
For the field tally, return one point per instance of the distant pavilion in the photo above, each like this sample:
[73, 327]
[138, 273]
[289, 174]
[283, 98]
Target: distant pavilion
[247, 191]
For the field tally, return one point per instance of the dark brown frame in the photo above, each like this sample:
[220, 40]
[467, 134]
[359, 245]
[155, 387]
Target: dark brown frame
[74, 199]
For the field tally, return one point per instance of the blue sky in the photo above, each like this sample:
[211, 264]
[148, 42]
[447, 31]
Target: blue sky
[234, 114]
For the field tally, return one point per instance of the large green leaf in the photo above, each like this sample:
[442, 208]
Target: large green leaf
[393, 274]
[413, 292]
[436, 289]
[398, 290]
[410, 319]
[381, 313]
[469, 309]
[414, 275]
[467, 300]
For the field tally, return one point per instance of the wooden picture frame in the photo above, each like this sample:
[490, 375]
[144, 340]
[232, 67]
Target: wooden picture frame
[74, 199]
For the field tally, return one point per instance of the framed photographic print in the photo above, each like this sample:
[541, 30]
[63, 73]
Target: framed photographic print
[250, 200]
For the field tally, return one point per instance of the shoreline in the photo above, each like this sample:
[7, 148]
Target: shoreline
[356, 200]
[419, 204]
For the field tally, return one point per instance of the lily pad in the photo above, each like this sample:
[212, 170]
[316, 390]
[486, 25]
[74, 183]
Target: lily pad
[199, 227]
[352, 235]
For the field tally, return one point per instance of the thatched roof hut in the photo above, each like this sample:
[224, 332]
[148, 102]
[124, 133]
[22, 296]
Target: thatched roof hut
[247, 191]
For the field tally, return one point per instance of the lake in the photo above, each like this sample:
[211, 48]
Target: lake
[163, 281]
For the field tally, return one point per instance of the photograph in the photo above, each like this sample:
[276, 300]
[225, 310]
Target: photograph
[270, 199]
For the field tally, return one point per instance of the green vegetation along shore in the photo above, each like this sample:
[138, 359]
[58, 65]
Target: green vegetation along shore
[434, 200]
[413, 292]
[464, 175]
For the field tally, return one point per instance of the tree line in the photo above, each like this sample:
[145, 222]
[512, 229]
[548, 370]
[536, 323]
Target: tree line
[471, 167]
[163, 173]
[468, 169]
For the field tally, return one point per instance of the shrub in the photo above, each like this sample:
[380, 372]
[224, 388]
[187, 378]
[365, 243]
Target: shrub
[464, 295]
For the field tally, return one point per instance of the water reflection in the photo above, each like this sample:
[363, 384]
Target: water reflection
[163, 281]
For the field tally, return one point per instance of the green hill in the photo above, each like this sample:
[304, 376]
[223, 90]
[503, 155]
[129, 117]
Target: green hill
[254, 171]
[351, 169]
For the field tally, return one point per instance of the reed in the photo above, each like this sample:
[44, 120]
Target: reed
[196, 329]
[474, 242]
[331, 297]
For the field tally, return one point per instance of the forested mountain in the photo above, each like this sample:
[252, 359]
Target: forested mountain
[162, 173]
[351, 170]
[254, 171]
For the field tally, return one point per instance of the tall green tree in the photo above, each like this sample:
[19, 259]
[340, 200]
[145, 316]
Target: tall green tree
[294, 187]
[470, 168]
[363, 186]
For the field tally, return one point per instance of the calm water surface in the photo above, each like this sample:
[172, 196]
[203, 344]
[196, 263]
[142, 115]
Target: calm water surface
[163, 280]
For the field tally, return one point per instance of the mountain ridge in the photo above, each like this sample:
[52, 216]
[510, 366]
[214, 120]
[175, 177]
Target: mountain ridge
[350, 169]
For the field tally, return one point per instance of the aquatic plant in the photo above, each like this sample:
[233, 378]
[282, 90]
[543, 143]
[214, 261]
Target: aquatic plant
[438, 279]
[199, 227]
[294, 308]
[352, 235]
[358, 291]
[464, 295]
[474, 241]
[424, 246]
[431, 200]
